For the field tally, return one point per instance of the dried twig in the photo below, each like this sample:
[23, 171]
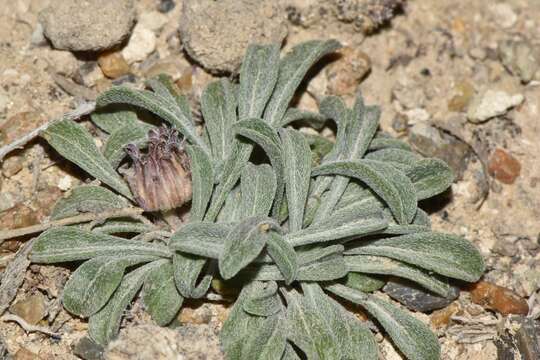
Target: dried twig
[29, 327]
[132, 212]
[13, 276]
[83, 109]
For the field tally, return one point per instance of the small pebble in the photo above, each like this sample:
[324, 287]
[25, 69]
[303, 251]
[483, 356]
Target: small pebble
[520, 58]
[25, 354]
[441, 318]
[89, 73]
[32, 309]
[113, 64]
[503, 14]
[65, 183]
[503, 166]
[141, 44]
[87, 349]
[498, 298]
[345, 74]
[416, 298]
[165, 6]
[12, 165]
[153, 20]
[129, 78]
[491, 103]
[7, 201]
[464, 93]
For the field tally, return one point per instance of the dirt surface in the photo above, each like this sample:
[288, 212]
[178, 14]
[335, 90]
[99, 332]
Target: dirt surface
[429, 68]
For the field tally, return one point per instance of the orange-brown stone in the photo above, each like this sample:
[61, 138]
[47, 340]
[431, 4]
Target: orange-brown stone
[504, 167]
[498, 298]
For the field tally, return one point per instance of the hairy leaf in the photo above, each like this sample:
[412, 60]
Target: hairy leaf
[200, 238]
[87, 198]
[110, 120]
[75, 143]
[218, 106]
[352, 336]
[234, 165]
[267, 138]
[187, 270]
[283, 254]
[258, 186]
[104, 325]
[448, 255]
[163, 107]
[160, 295]
[258, 76]
[122, 226]
[293, 114]
[309, 328]
[401, 159]
[430, 177]
[114, 149]
[292, 69]
[263, 299]
[71, 244]
[93, 283]
[297, 168]
[389, 183]
[338, 230]
[411, 336]
[244, 243]
[386, 266]
[384, 142]
[231, 212]
[363, 282]
[202, 176]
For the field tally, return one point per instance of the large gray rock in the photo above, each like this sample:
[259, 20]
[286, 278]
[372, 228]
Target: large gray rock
[87, 25]
[216, 34]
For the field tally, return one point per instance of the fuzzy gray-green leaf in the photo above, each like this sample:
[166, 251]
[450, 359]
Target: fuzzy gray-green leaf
[386, 266]
[114, 149]
[258, 186]
[316, 120]
[218, 106]
[71, 244]
[411, 336]
[258, 76]
[122, 226]
[402, 159]
[284, 256]
[318, 234]
[156, 104]
[309, 328]
[202, 176]
[389, 183]
[384, 142]
[87, 198]
[244, 243]
[187, 270]
[93, 283]
[200, 238]
[430, 177]
[263, 299]
[232, 169]
[297, 169]
[292, 69]
[75, 143]
[352, 336]
[110, 120]
[104, 325]
[267, 138]
[160, 295]
[448, 255]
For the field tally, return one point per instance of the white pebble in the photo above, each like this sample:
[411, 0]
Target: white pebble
[141, 44]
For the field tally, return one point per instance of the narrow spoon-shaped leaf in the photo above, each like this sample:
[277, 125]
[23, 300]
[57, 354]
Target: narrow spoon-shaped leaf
[258, 186]
[202, 176]
[75, 143]
[160, 295]
[448, 255]
[292, 69]
[297, 168]
[430, 177]
[411, 336]
[244, 243]
[258, 76]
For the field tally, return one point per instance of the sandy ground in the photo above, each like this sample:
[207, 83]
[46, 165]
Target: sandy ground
[426, 67]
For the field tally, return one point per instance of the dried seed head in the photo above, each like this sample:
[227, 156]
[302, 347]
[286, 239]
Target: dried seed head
[161, 178]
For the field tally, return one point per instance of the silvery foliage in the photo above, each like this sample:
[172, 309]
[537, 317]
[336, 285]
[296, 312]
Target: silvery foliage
[285, 231]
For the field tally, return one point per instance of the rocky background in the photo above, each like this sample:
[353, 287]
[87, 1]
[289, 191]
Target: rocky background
[459, 80]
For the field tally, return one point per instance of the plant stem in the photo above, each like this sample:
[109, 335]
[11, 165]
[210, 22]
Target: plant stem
[83, 109]
[77, 219]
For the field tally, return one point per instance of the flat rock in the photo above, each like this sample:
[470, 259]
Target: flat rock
[89, 25]
[491, 103]
[417, 298]
[216, 34]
